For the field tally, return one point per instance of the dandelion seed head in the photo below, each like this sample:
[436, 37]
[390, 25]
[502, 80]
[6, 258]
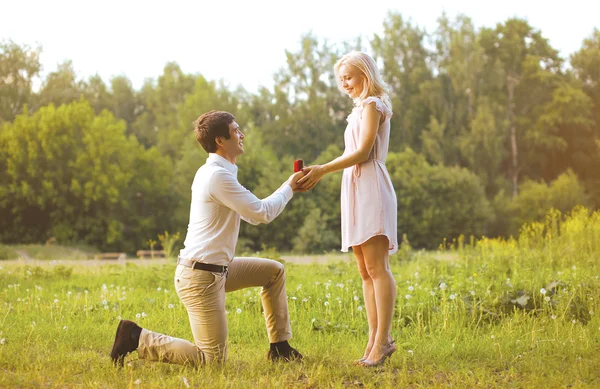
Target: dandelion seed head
[553, 317]
[65, 328]
[326, 303]
[410, 352]
[360, 308]
[238, 311]
[171, 306]
[547, 299]
[144, 314]
[411, 288]
[355, 298]
[408, 296]
[138, 315]
[543, 291]
[432, 293]
[443, 286]
[472, 293]
[452, 296]
[158, 289]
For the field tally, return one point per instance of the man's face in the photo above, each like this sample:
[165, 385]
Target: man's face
[233, 146]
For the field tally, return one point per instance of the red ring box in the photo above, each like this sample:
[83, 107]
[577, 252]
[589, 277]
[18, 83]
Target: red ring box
[298, 165]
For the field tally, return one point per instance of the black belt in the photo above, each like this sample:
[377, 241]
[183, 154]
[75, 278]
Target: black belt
[202, 266]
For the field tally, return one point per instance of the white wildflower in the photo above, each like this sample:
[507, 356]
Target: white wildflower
[443, 286]
[543, 291]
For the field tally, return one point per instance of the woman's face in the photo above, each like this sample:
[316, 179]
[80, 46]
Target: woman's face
[352, 80]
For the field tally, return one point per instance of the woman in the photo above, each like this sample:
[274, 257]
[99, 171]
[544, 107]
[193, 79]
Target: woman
[368, 199]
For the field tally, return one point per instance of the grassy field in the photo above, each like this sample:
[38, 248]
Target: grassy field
[496, 314]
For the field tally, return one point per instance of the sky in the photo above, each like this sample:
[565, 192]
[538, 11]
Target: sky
[243, 43]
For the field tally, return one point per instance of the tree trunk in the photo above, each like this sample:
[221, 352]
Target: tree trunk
[513, 136]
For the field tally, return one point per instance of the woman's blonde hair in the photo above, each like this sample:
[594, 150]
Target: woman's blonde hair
[373, 84]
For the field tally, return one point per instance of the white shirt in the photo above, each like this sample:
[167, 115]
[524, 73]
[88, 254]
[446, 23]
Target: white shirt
[218, 202]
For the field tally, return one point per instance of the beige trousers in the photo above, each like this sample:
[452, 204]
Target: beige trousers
[203, 295]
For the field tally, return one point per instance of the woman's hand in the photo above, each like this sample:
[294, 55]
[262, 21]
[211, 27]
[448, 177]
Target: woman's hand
[313, 175]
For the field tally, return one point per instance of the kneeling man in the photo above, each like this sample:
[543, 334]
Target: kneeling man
[207, 268]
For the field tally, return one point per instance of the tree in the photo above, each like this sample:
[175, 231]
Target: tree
[586, 67]
[402, 51]
[520, 51]
[158, 105]
[61, 86]
[72, 175]
[19, 66]
[305, 112]
[436, 202]
[98, 95]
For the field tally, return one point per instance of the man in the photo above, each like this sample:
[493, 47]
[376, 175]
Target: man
[207, 268]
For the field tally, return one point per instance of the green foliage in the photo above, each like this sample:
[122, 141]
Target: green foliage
[536, 198]
[436, 202]
[492, 115]
[168, 242]
[72, 175]
[19, 65]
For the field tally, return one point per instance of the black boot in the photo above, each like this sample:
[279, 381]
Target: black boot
[127, 340]
[282, 351]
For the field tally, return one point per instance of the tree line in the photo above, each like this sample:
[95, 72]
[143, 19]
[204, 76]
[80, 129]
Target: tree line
[491, 128]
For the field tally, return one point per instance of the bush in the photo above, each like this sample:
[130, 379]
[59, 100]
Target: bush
[436, 202]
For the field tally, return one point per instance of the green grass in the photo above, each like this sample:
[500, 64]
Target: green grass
[478, 319]
[45, 252]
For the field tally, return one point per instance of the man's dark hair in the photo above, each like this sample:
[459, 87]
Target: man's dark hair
[211, 125]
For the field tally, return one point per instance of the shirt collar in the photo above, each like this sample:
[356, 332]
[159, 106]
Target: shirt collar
[217, 159]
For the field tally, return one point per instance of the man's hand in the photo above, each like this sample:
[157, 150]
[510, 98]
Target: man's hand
[313, 175]
[293, 181]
